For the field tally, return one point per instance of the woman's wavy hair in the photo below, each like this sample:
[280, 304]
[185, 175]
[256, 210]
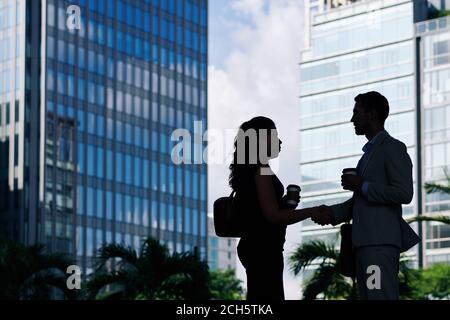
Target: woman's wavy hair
[242, 172]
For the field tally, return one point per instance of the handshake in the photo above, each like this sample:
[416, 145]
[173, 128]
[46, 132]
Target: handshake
[322, 215]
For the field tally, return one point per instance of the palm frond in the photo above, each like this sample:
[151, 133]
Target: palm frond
[55, 261]
[431, 187]
[306, 253]
[99, 281]
[441, 219]
[154, 258]
[319, 282]
[408, 276]
[340, 288]
[30, 272]
[151, 248]
[190, 274]
[127, 255]
[39, 286]
[152, 274]
[434, 187]
[113, 295]
[172, 288]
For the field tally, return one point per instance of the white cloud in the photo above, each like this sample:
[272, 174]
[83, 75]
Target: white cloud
[249, 7]
[260, 77]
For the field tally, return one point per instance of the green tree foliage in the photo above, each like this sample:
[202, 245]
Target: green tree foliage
[326, 279]
[433, 283]
[153, 273]
[226, 286]
[29, 273]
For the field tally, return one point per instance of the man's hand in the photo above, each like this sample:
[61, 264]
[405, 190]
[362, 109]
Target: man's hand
[351, 182]
[323, 215]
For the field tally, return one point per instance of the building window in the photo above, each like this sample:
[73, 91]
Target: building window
[99, 200]
[90, 161]
[145, 213]
[100, 163]
[109, 208]
[128, 169]
[61, 51]
[195, 215]
[145, 173]
[90, 202]
[119, 100]
[90, 242]
[109, 164]
[51, 15]
[51, 47]
[81, 89]
[119, 207]
[128, 209]
[119, 168]
[137, 172]
[187, 221]
[91, 92]
[137, 211]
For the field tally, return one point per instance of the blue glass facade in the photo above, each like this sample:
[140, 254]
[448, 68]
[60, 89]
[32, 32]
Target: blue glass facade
[114, 92]
[13, 141]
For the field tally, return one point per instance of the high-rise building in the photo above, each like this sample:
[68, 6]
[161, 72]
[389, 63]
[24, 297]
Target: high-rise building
[355, 47]
[433, 80]
[86, 117]
[222, 251]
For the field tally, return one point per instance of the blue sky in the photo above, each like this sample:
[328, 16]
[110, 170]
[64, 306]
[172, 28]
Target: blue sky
[220, 29]
[222, 23]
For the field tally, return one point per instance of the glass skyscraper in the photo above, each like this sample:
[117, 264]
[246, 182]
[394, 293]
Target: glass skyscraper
[354, 47]
[434, 80]
[86, 117]
[391, 47]
[221, 251]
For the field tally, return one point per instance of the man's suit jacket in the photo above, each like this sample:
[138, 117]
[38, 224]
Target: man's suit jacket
[377, 217]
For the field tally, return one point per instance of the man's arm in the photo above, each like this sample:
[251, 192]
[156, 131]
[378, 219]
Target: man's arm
[334, 215]
[342, 212]
[398, 168]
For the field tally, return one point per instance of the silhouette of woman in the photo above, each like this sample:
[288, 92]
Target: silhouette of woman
[259, 194]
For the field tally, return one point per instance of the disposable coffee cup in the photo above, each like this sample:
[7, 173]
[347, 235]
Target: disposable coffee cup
[293, 191]
[351, 171]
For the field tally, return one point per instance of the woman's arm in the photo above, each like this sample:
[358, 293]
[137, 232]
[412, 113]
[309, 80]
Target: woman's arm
[269, 205]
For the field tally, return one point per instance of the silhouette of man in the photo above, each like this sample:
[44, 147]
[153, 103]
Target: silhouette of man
[382, 184]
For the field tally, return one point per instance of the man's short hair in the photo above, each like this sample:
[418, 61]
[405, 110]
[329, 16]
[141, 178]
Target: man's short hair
[374, 101]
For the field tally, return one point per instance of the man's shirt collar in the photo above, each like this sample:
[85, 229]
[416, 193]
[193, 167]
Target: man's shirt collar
[371, 143]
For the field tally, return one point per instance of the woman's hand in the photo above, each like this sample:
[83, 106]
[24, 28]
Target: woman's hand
[285, 204]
